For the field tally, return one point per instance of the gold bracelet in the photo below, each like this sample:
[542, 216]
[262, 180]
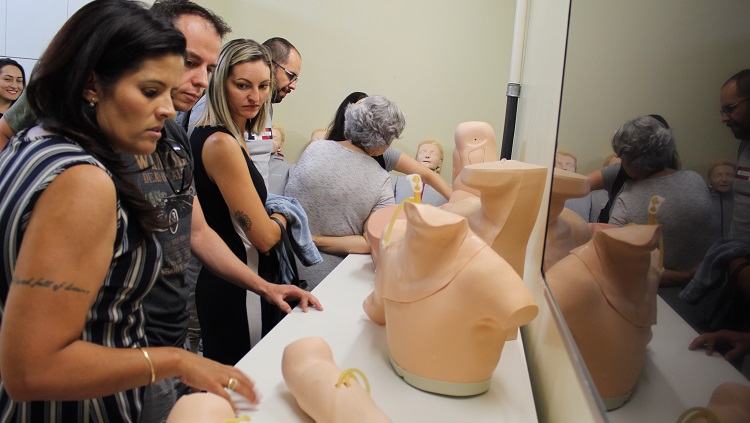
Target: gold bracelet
[150, 364]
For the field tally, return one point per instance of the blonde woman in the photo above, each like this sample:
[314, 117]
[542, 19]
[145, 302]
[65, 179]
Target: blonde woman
[232, 190]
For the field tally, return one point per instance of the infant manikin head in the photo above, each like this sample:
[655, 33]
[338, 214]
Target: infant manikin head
[438, 281]
[606, 291]
[322, 390]
[430, 154]
[566, 161]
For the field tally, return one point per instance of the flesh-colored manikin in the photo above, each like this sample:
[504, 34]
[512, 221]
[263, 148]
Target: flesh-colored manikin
[566, 229]
[203, 407]
[449, 301]
[606, 290]
[475, 143]
[319, 388]
[510, 193]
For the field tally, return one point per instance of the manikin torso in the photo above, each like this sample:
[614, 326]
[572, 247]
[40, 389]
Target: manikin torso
[506, 209]
[606, 290]
[475, 143]
[566, 230]
[449, 301]
[315, 382]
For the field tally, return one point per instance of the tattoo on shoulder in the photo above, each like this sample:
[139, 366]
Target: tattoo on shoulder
[243, 220]
[49, 284]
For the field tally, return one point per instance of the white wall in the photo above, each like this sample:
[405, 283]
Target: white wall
[29, 25]
[443, 63]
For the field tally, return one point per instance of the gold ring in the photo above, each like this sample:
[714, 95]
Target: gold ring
[232, 385]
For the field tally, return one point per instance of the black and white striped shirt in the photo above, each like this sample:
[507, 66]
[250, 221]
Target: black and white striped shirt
[27, 167]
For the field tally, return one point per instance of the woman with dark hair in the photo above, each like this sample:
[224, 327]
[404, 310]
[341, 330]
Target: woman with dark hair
[648, 151]
[12, 83]
[392, 158]
[79, 253]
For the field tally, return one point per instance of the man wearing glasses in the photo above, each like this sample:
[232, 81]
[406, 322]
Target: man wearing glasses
[735, 114]
[288, 64]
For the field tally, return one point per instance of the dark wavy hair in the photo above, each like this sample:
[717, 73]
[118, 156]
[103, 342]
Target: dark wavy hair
[172, 10]
[6, 61]
[108, 38]
[336, 127]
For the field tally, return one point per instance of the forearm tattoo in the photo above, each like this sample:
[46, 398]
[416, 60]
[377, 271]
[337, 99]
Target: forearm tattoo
[243, 220]
[51, 285]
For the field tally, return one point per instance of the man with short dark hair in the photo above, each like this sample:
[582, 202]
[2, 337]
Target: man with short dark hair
[288, 65]
[735, 114]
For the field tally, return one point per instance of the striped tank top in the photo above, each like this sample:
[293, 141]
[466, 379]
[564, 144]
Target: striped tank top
[27, 167]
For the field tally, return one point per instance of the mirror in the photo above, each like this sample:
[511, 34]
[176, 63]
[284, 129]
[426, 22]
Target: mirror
[668, 58]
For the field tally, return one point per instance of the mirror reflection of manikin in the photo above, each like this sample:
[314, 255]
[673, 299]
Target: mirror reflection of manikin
[566, 230]
[606, 290]
[449, 301]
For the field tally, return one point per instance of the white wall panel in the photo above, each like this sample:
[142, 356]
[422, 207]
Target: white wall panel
[3, 24]
[31, 25]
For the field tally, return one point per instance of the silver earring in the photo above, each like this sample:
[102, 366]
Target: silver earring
[92, 102]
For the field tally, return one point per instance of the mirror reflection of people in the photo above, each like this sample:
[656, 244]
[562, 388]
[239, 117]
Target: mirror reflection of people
[611, 177]
[589, 206]
[735, 114]
[648, 152]
[429, 154]
[12, 83]
[82, 253]
[720, 178]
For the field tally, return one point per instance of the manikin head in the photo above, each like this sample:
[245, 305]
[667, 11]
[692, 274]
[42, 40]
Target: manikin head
[720, 175]
[566, 161]
[288, 65]
[279, 136]
[733, 100]
[430, 154]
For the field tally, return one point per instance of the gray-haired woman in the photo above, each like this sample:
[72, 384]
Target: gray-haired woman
[648, 152]
[339, 185]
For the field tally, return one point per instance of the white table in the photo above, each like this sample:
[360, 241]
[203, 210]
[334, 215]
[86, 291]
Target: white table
[358, 342]
[674, 378]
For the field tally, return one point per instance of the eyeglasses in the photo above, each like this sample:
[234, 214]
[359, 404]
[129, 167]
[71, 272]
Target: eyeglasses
[727, 110]
[170, 148]
[292, 76]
